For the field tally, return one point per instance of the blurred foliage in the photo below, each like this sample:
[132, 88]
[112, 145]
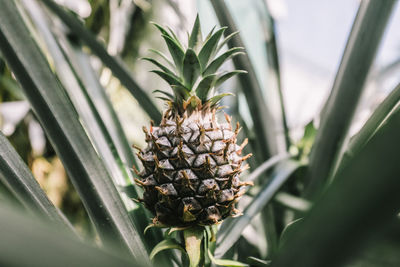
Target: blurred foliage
[276, 208]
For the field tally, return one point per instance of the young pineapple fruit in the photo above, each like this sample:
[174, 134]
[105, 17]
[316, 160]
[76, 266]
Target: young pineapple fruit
[192, 162]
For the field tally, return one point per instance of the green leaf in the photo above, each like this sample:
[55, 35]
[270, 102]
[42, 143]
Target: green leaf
[21, 231]
[169, 62]
[205, 86]
[216, 63]
[360, 203]
[195, 38]
[68, 137]
[180, 91]
[116, 65]
[193, 238]
[265, 132]
[336, 117]
[165, 244]
[232, 228]
[227, 75]
[225, 41]
[169, 34]
[288, 230]
[175, 50]
[170, 79]
[191, 68]
[161, 66]
[16, 176]
[210, 33]
[297, 204]
[377, 119]
[223, 262]
[170, 96]
[266, 165]
[209, 47]
[258, 262]
[175, 38]
[215, 99]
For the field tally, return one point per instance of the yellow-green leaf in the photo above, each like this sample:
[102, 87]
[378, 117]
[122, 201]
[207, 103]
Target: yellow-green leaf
[223, 262]
[165, 244]
[193, 238]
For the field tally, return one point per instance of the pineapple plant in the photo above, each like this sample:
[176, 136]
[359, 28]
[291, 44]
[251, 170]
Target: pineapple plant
[192, 162]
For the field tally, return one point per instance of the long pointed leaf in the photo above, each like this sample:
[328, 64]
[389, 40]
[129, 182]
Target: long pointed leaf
[175, 50]
[372, 125]
[216, 63]
[161, 66]
[113, 63]
[209, 47]
[342, 220]
[29, 242]
[265, 132]
[205, 86]
[196, 38]
[225, 76]
[191, 68]
[20, 181]
[363, 42]
[69, 139]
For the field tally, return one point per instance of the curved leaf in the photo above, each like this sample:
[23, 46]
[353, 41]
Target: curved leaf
[224, 262]
[216, 63]
[165, 244]
[161, 66]
[225, 76]
[175, 50]
[170, 79]
[205, 86]
[169, 62]
[209, 47]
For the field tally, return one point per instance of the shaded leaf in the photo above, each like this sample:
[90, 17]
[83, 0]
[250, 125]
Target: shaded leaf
[67, 135]
[205, 86]
[164, 93]
[16, 176]
[288, 230]
[258, 262]
[336, 117]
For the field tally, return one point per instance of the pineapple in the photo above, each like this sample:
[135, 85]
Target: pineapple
[191, 164]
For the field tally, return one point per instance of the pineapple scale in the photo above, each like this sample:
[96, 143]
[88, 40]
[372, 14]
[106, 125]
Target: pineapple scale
[191, 169]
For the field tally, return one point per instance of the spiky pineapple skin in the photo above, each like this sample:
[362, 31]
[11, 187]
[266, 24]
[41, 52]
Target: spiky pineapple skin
[191, 169]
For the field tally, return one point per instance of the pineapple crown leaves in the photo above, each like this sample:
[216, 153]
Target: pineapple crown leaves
[193, 72]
